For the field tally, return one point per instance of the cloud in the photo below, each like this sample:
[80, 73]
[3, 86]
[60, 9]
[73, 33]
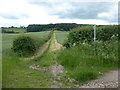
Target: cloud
[80, 10]
[12, 16]
[25, 12]
[111, 15]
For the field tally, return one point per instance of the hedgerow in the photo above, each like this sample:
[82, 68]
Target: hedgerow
[85, 34]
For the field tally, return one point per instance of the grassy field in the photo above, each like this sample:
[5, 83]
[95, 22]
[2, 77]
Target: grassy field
[61, 36]
[16, 70]
[7, 39]
[39, 34]
[20, 30]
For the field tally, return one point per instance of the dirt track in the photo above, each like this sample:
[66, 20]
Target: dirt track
[56, 68]
[54, 44]
[40, 51]
[107, 80]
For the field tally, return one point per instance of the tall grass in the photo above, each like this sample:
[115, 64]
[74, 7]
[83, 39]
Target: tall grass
[84, 63]
[17, 74]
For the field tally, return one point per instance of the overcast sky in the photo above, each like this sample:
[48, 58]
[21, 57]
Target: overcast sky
[25, 12]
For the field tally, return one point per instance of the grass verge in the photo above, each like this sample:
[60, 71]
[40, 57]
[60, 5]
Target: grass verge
[83, 64]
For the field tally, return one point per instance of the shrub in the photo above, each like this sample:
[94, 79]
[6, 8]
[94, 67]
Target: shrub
[27, 45]
[24, 46]
[79, 35]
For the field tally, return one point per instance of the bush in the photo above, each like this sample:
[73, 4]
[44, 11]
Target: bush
[79, 35]
[29, 44]
[24, 46]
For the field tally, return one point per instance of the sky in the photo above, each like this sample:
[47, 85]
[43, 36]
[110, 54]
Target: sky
[25, 12]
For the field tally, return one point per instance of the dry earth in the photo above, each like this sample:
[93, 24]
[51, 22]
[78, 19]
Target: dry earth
[107, 80]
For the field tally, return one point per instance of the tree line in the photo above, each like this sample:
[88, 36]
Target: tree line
[47, 27]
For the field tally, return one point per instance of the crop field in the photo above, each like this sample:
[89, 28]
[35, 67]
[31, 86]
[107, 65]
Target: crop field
[68, 58]
[8, 38]
[61, 36]
[39, 34]
[20, 30]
